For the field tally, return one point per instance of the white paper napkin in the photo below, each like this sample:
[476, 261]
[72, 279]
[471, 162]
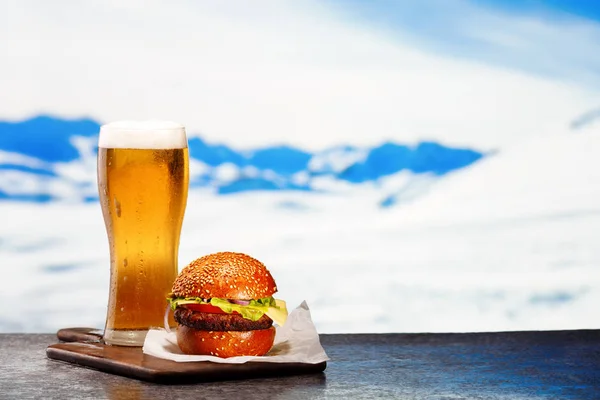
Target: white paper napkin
[296, 341]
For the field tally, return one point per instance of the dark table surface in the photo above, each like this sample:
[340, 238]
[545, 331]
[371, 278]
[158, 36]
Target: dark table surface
[514, 365]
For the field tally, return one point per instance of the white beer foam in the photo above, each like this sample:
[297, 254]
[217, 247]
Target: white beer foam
[151, 134]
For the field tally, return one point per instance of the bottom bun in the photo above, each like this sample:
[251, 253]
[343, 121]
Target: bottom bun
[225, 343]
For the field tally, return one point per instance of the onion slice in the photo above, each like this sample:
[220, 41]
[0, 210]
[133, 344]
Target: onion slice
[166, 320]
[240, 302]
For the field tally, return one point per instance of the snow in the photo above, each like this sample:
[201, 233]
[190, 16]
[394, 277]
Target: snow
[7, 157]
[549, 175]
[336, 159]
[509, 243]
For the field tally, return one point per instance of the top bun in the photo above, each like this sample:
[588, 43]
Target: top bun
[225, 275]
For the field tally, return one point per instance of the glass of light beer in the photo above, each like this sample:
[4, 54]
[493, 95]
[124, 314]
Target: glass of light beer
[143, 175]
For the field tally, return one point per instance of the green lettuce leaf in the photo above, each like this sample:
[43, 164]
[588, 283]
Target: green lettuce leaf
[275, 309]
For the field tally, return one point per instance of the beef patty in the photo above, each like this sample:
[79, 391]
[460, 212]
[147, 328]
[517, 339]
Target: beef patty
[219, 322]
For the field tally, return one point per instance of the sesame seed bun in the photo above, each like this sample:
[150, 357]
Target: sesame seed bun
[225, 275]
[225, 344]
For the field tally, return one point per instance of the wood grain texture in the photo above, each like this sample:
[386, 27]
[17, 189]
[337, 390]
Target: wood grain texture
[133, 363]
[79, 335]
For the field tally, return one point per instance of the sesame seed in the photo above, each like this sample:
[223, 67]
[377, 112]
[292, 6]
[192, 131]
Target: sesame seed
[222, 275]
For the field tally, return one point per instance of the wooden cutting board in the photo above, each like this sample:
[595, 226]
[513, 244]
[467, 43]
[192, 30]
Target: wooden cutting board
[83, 346]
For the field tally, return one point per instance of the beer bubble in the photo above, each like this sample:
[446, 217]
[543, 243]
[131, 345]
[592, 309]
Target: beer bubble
[118, 207]
[124, 262]
[152, 134]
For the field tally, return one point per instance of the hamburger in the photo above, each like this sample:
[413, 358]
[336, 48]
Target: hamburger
[223, 304]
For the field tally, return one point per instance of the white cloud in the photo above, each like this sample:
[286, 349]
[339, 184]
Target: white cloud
[272, 71]
[554, 44]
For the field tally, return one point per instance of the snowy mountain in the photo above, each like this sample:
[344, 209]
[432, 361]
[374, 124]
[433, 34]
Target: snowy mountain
[44, 159]
[509, 243]
[586, 120]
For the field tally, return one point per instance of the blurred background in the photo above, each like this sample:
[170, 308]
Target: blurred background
[402, 166]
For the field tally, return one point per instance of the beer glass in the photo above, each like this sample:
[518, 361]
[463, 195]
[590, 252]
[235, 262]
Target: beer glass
[143, 175]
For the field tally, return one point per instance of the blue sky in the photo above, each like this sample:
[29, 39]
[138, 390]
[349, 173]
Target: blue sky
[555, 38]
[582, 8]
[311, 73]
[589, 9]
